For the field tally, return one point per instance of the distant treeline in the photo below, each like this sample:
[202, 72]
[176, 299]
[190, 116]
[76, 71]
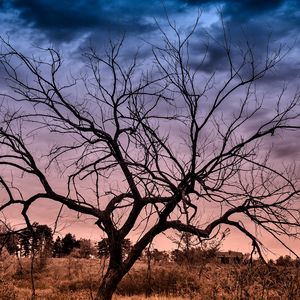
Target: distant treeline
[39, 240]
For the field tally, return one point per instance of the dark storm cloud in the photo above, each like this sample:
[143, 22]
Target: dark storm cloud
[249, 8]
[241, 9]
[66, 19]
[62, 20]
[97, 20]
[261, 24]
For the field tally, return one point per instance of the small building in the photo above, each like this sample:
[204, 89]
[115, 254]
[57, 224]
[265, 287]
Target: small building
[230, 257]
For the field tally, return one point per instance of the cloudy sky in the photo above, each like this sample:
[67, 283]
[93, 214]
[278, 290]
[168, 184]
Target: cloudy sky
[67, 23]
[73, 25]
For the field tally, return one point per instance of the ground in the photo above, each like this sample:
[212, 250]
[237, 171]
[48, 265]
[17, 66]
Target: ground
[76, 279]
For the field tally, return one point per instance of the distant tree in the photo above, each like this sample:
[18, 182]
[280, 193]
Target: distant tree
[156, 145]
[284, 261]
[126, 247]
[37, 239]
[86, 248]
[11, 244]
[42, 238]
[177, 256]
[57, 248]
[42, 242]
[194, 255]
[271, 262]
[8, 240]
[157, 255]
[103, 248]
[25, 240]
[69, 242]
[191, 251]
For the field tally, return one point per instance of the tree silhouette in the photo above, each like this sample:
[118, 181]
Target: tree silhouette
[57, 247]
[43, 238]
[103, 248]
[37, 238]
[86, 248]
[25, 240]
[69, 242]
[8, 240]
[157, 147]
[156, 255]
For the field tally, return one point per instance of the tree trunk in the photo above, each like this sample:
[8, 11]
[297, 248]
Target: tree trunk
[118, 268]
[109, 284]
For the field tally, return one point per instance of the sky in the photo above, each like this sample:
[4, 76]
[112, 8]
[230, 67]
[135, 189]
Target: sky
[72, 26]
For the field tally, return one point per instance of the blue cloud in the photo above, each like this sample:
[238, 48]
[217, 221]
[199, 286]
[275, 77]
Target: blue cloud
[65, 19]
[237, 8]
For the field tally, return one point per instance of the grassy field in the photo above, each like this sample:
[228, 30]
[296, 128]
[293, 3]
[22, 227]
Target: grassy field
[71, 278]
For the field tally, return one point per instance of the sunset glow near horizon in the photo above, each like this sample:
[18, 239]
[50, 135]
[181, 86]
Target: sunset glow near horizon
[72, 27]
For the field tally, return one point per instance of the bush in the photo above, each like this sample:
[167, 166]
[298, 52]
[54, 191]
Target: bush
[160, 281]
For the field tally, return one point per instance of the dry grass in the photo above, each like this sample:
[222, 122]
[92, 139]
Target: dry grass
[118, 297]
[77, 279]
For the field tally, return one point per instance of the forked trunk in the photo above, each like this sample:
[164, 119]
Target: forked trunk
[109, 284]
[118, 268]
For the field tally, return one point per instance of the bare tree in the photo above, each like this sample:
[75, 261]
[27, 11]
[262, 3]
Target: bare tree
[155, 147]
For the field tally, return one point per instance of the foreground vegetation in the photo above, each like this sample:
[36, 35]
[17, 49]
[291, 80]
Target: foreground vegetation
[73, 278]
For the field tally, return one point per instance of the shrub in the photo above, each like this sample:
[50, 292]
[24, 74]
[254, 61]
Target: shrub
[159, 281]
